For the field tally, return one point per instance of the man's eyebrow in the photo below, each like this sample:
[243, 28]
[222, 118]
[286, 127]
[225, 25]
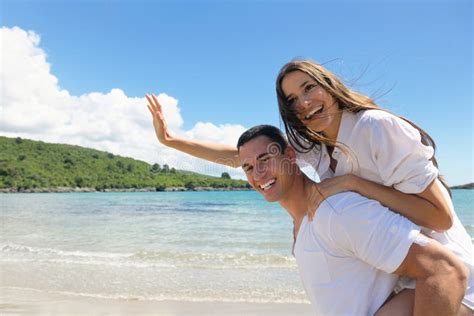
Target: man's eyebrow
[261, 156]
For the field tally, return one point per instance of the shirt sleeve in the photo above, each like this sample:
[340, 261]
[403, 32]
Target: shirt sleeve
[372, 233]
[401, 159]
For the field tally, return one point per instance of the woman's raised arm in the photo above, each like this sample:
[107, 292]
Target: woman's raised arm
[218, 153]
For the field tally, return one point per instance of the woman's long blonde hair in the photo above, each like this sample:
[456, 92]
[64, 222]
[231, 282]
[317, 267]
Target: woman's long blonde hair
[303, 138]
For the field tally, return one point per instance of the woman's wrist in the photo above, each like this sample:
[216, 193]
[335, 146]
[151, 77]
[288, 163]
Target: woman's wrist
[170, 141]
[353, 183]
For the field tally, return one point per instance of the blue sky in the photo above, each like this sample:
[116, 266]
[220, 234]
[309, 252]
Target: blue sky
[218, 60]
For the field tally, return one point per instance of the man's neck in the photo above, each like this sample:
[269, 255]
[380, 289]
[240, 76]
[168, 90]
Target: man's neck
[296, 200]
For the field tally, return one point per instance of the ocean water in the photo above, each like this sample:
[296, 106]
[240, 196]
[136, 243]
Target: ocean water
[193, 246]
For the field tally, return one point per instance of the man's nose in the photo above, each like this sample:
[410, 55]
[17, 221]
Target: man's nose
[259, 173]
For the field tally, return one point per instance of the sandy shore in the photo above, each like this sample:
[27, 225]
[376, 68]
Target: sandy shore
[26, 302]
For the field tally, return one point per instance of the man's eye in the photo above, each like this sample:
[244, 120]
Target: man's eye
[248, 170]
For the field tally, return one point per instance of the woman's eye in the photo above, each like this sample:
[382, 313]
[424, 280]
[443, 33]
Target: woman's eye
[309, 87]
[291, 102]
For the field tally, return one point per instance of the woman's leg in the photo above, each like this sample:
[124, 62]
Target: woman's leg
[400, 305]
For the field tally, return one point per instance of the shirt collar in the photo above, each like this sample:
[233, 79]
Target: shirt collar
[348, 121]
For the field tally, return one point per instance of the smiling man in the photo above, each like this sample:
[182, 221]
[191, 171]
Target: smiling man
[351, 255]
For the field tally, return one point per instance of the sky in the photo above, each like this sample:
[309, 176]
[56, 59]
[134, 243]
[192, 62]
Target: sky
[76, 72]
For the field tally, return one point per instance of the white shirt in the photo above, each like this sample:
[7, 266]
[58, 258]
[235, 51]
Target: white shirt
[381, 147]
[346, 255]
[387, 150]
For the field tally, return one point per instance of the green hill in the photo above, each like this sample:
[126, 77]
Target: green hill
[27, 164]
[464, 186]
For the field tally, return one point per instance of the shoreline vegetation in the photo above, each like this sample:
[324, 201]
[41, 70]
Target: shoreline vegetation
[469, 186]
[28, 166]
[149, 189]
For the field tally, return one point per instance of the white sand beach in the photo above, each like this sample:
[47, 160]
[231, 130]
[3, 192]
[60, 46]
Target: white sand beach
[26, 302]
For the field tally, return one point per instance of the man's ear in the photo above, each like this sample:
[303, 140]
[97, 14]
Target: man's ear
[291, 153]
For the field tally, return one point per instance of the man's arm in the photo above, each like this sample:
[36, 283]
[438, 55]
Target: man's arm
[441, 278]
[391, 243]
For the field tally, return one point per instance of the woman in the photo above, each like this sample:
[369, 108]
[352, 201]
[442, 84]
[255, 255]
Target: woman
[354, 146]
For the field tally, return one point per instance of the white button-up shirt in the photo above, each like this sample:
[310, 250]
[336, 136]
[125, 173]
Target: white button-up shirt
[379, 147]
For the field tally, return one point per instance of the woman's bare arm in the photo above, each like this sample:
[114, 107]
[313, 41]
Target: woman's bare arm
[429, 208]
[218, 153]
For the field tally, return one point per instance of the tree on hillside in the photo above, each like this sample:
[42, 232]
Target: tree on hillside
[79, 181]
[155, 168]
[189, 185]
[225, 175]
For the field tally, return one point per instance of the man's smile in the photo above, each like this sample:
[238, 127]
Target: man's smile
[267, 185]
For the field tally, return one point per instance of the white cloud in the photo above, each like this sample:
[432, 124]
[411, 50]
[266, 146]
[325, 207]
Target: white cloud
[34, 106]
[225, 134]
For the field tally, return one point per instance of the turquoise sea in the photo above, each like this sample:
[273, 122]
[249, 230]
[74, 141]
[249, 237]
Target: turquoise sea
[193, 246]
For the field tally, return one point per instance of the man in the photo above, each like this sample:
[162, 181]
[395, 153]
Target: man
[350, 256]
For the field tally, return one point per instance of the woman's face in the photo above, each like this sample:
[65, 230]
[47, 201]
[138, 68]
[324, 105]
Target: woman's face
[313, 105]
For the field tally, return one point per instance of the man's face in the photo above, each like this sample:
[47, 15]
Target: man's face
[267, 169]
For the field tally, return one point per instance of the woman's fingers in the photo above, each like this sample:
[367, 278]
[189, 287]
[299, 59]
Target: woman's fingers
[153, 102]
[150, 101]
[159, 122]
[151, 110]
[315, 199]
[157, 104]
[154, 106]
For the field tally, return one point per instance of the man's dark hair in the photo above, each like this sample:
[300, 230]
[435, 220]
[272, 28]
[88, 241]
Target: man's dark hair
[272, 132]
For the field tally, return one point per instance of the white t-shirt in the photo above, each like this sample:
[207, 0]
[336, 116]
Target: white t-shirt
[346, 255]
[385, 149]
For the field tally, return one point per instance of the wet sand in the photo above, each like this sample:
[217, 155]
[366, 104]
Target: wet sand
[31, 302]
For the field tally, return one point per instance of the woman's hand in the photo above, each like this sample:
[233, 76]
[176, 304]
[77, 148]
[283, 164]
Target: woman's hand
[314, 199]
[161, 129]
[321, 191]
[214, 152]
[337, 184]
